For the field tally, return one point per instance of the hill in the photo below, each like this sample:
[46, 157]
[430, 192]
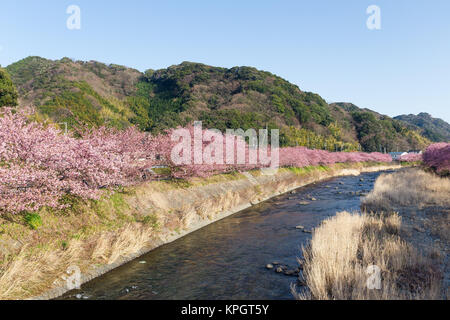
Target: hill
[96, 94]
[437, 130]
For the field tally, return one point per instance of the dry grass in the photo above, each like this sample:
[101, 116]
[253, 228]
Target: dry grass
[412, 187]
[344, 246]
[33, 270]
[91, 234]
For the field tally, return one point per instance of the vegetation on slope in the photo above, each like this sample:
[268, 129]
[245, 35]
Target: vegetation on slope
[75, 92]
[78, 92]
[437, 130]
[378, 132]
[8, 92]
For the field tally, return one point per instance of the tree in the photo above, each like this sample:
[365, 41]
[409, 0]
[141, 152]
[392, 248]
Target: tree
[8, 92]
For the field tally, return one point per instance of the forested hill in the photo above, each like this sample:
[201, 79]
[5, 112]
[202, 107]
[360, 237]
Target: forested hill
[241, 97]
[433, 128]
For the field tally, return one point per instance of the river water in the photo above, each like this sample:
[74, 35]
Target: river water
[227, 259]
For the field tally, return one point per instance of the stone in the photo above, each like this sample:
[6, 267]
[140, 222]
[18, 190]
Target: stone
[279, 270]
[269, 266]
[313, 199]
[290, 273]
[307, 231]
[300, 227]
[303, 203]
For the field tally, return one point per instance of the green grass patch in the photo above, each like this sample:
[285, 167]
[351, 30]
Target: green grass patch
[33, 220]
[308, 169]
[152, 221]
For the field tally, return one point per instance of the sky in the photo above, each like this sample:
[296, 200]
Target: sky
[323, 46]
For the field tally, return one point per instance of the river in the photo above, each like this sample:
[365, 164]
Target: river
[227, 259]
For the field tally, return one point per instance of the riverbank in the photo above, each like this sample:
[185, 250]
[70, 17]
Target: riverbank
[98, 236]
[404, 235]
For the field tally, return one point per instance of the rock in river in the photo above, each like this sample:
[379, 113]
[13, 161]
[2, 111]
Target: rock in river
[291, 272]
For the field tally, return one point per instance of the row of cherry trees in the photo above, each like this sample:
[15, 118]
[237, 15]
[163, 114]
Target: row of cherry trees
[39, 164]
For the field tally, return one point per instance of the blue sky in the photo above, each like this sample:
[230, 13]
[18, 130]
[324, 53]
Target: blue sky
[322, 46]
